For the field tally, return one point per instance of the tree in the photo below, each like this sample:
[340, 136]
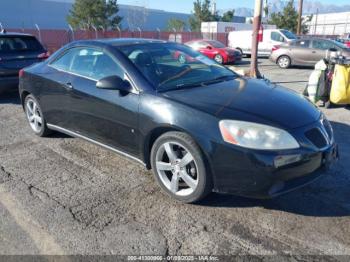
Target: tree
[201, 14]
[99, 13]
[176, 24]
[266, 9]
[228, 16]
[287, 19]
[304, 25]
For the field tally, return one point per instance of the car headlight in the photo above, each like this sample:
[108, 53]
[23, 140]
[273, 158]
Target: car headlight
[256, 136]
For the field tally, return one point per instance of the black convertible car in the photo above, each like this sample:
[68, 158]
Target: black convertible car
[198, 125]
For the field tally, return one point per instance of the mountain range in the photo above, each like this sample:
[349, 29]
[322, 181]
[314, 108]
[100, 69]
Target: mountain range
[310, 7]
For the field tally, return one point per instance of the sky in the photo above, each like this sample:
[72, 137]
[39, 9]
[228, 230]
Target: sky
[186, 6]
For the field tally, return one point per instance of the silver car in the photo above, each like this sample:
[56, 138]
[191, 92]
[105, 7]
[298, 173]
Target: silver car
[305, 52]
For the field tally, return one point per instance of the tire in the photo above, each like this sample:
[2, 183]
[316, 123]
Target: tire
[184, 178]
[219, 59]
[35, 116]
[284, 62]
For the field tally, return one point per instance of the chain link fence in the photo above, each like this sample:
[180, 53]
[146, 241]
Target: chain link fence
[55, 39]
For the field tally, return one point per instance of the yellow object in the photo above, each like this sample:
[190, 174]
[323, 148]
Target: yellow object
[340, 91]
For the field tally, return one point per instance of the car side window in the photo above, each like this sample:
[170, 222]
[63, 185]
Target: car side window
[105, 66]
[88, 62]
[321, 44]
[203, 44]
[64, 62]
[303, 43]
[275, 36]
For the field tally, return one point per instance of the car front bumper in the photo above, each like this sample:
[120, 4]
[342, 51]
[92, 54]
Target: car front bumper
[233, 59]
[267, 174]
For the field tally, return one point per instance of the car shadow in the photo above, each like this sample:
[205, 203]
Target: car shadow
[326, 197]
[10, 98]
[242, 62]
[302, 67]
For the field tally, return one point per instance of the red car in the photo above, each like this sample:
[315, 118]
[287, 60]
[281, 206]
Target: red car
[216, 50]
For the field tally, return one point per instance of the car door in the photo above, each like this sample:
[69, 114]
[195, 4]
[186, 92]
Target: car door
[54, 92]
[301, 52]
[319, 49]
[105, 116]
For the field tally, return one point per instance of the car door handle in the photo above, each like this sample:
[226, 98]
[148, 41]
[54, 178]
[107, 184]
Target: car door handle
[68, 86]
[314, 52]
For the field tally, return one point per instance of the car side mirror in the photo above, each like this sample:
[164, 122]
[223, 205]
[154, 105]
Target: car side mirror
[114, 83]
[209, 47]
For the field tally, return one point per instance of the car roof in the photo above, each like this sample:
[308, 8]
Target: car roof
[121, 41]
[313, 38]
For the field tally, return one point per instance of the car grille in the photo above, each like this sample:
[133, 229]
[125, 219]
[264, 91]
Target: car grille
[316, 137]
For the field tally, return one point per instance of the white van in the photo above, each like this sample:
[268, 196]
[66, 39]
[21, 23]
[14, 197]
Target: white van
[242, 40]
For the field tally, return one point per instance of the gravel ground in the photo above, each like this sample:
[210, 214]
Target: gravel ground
[61, 195]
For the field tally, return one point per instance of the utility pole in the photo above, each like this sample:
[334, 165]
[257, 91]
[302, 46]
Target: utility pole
[254, 71]
[316, 21]
[300, 13]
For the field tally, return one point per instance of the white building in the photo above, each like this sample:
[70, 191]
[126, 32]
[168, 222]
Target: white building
[226, 27]
[330, 24]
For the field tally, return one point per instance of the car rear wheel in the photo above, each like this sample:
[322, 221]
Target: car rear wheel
[219, 59]
[284, 62]
[179, 168]
[35, 116]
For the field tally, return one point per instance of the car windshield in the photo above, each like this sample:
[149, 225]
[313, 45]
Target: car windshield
[170, 66]
[289, 34]
[341, 45]
[18, 44]
[216, 44]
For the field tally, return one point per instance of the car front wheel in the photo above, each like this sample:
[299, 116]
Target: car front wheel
[179, 168]
[35, 116]
[284, 62]
[219, 59]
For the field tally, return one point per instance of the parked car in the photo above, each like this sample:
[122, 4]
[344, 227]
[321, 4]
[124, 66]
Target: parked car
[199, 126]
[343, 41]
[16, 52]
[242, 40]
[215, 50]
[306, 52]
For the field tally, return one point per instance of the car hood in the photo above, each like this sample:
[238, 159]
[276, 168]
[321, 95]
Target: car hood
[250, 100]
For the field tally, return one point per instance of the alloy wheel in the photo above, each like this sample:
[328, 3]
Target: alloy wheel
[34, 115]
[177, 168]
[219, 59]
[284, 62]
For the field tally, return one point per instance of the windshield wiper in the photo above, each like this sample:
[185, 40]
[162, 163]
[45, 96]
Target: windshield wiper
[198, 84]
[189, 85]
[218, 79]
